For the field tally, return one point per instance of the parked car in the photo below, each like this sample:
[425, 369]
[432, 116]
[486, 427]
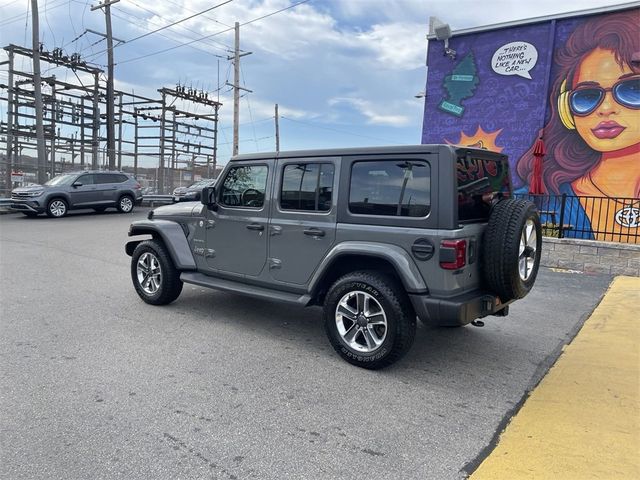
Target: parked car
[193, 191]
[76, 190]
[377, 236]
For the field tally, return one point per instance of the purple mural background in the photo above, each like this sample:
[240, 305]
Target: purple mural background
[511, 104]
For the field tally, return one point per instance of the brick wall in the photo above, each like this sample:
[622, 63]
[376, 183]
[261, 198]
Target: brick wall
[591, 256]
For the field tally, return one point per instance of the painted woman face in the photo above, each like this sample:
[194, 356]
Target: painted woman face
[603, 100]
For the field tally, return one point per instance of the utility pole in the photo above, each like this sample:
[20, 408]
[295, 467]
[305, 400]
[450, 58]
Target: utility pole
[10, 106]
[277, 131]
[111, 137]
[236, 87]
[37, 92]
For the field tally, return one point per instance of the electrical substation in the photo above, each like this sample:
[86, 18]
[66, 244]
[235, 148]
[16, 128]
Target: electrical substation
[165, 141]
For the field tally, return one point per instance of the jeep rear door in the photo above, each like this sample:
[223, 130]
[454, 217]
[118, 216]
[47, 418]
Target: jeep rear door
[303, 218]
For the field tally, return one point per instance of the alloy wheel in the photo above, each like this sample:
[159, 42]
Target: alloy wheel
[58, 208]
[126, 204]
[527, 251]
[149, 273]
[361, 321]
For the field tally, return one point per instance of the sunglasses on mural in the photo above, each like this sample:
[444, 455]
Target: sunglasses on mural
[584, 100]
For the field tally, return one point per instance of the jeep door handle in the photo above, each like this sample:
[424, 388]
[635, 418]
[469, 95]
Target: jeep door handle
[255, 226]
[314, 232]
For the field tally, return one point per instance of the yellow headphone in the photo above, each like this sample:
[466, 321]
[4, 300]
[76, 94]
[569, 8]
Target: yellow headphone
[563, 107]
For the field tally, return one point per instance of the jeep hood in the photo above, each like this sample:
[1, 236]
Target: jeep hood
[182, 209]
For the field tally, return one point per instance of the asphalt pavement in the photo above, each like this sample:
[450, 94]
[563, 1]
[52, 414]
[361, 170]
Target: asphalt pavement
[94, 383]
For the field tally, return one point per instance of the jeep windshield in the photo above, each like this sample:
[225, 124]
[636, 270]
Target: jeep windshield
[481, 178]
[65, 179]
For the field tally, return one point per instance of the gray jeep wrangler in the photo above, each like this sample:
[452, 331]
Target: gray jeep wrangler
[377, 236]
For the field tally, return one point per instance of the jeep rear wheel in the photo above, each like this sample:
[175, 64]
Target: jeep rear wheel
[155, 278]
[511, 248]
[369, 320]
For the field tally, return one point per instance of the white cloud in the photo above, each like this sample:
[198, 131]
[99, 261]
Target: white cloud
[373, 115]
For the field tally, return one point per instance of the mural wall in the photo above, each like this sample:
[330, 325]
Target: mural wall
[573, 82]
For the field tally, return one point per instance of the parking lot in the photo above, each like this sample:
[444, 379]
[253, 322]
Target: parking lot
[94, 383]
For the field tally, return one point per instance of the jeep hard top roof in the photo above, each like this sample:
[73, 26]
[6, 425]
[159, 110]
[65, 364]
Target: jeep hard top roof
[342, 152]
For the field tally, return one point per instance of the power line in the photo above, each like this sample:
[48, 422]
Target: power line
[210, 35]
[47, 8]
[180, 21]
[156, 14]
[162, 35]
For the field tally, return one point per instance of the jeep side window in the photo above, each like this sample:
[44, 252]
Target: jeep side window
[307, 186]
[398, 188]
[244, 186]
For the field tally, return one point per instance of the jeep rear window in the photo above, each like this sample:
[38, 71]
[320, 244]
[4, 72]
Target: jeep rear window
[398, 188]
[479, 180]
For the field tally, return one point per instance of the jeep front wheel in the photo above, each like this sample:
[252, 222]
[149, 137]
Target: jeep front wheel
[155, 278]
[369, 320]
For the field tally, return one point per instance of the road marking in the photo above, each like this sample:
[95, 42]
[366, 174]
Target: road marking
[583, 419]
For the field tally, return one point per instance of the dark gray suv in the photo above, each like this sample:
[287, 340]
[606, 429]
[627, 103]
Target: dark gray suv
[377, 236]
[75, 190]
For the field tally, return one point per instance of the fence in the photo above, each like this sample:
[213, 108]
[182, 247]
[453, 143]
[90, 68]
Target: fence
[606, 219]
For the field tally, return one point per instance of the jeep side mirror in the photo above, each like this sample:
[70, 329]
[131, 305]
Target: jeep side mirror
[208, 198]
[77, 184]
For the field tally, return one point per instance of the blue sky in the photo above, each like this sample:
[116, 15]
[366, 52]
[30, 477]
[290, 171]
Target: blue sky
[344, 72]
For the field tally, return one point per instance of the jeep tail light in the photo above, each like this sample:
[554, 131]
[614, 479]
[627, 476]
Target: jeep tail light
[138, 186]
[453, 254]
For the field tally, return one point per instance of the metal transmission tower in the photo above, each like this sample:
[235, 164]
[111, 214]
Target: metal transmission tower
[111, 136]
[70, 115]
[192, 143]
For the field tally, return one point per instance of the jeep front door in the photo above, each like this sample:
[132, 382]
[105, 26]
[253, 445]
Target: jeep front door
[237, 231]
[303, 224]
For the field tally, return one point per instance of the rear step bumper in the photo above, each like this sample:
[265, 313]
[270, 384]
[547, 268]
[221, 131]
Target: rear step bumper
[458, 310]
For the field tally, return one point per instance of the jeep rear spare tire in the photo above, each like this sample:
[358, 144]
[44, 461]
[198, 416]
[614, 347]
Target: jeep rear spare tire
[369, 320]
[511, 248]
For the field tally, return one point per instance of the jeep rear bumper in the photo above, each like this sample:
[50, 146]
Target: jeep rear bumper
[458, 310]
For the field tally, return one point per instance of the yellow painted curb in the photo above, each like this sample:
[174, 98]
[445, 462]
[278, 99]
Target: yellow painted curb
[583, 420]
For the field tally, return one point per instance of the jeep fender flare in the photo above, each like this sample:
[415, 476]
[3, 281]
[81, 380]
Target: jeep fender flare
[401, 261]
[171, 234]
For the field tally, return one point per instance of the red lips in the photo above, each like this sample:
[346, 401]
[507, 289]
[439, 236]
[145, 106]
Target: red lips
[608, 129]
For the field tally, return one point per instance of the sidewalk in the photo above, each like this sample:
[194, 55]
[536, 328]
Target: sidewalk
[583, 420]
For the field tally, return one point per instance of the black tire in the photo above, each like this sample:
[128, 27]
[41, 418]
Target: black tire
[509, 272]
[390, 298]
[125, 204]
[167, 278]
[99, 209]
[57, 208]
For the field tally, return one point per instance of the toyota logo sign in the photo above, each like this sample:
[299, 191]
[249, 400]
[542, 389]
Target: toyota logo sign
[628, 217]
